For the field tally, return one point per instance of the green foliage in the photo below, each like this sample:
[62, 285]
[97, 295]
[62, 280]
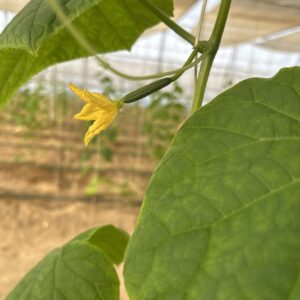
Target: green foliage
[107, 153]
[112, 241]
[32, 107]
[220, 219]
[164, 113]
[81, 269]
[107, 143]
[93, 186]
[107, 86]
[36, 38]
[29, 108]
[109, 136]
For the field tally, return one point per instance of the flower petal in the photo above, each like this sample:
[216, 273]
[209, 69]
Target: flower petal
[94, 98]
[99, 125]
[94, 129]
[98, 108]
[89, 112]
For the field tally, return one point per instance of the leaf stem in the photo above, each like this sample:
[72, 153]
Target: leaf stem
[157, 85]
[199, 32]
[210, 53]
[161, 15]
[189, 64]
[85, 44]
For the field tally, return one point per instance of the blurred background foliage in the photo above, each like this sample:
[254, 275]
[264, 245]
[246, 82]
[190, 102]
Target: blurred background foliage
[44, 137]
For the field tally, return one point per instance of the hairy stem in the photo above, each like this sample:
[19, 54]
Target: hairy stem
[157, 85]
[189, 64]
[210, 53]
[84, 43]
[169, 22]
[199, 31]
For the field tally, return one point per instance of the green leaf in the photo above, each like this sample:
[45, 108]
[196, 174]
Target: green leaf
[81, 269]
[220, 219]
[36, 39]
[111, 240]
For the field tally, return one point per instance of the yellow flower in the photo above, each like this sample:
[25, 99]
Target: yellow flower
[98, 108]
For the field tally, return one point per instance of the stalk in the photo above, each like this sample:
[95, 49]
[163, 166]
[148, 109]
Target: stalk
[161, 15]
[209, 54]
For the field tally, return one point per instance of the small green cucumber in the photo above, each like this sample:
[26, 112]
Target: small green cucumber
[146, 90]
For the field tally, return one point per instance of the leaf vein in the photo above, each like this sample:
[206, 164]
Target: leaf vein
[277, 111]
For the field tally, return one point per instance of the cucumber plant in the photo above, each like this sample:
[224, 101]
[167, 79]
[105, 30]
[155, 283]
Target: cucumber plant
[220, 217]
[162, 116]
[29, 108]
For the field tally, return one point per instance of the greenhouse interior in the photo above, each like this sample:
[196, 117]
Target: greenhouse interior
[53, 186]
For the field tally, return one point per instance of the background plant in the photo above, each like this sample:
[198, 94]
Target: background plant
[162, 116]
[29, 108]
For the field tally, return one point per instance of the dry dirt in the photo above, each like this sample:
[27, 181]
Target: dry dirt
[30, 229]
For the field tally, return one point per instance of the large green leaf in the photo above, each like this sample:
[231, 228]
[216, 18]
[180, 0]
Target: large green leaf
[221, 217]
[81, 269]
[36, 39]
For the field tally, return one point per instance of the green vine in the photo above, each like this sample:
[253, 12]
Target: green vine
[209, 54]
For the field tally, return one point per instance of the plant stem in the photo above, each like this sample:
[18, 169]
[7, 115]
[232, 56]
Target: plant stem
[169, 22]
[85, 44]
[189, 64]
[201, 21]
[210, 53]
[199, 31]
[157, 85]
